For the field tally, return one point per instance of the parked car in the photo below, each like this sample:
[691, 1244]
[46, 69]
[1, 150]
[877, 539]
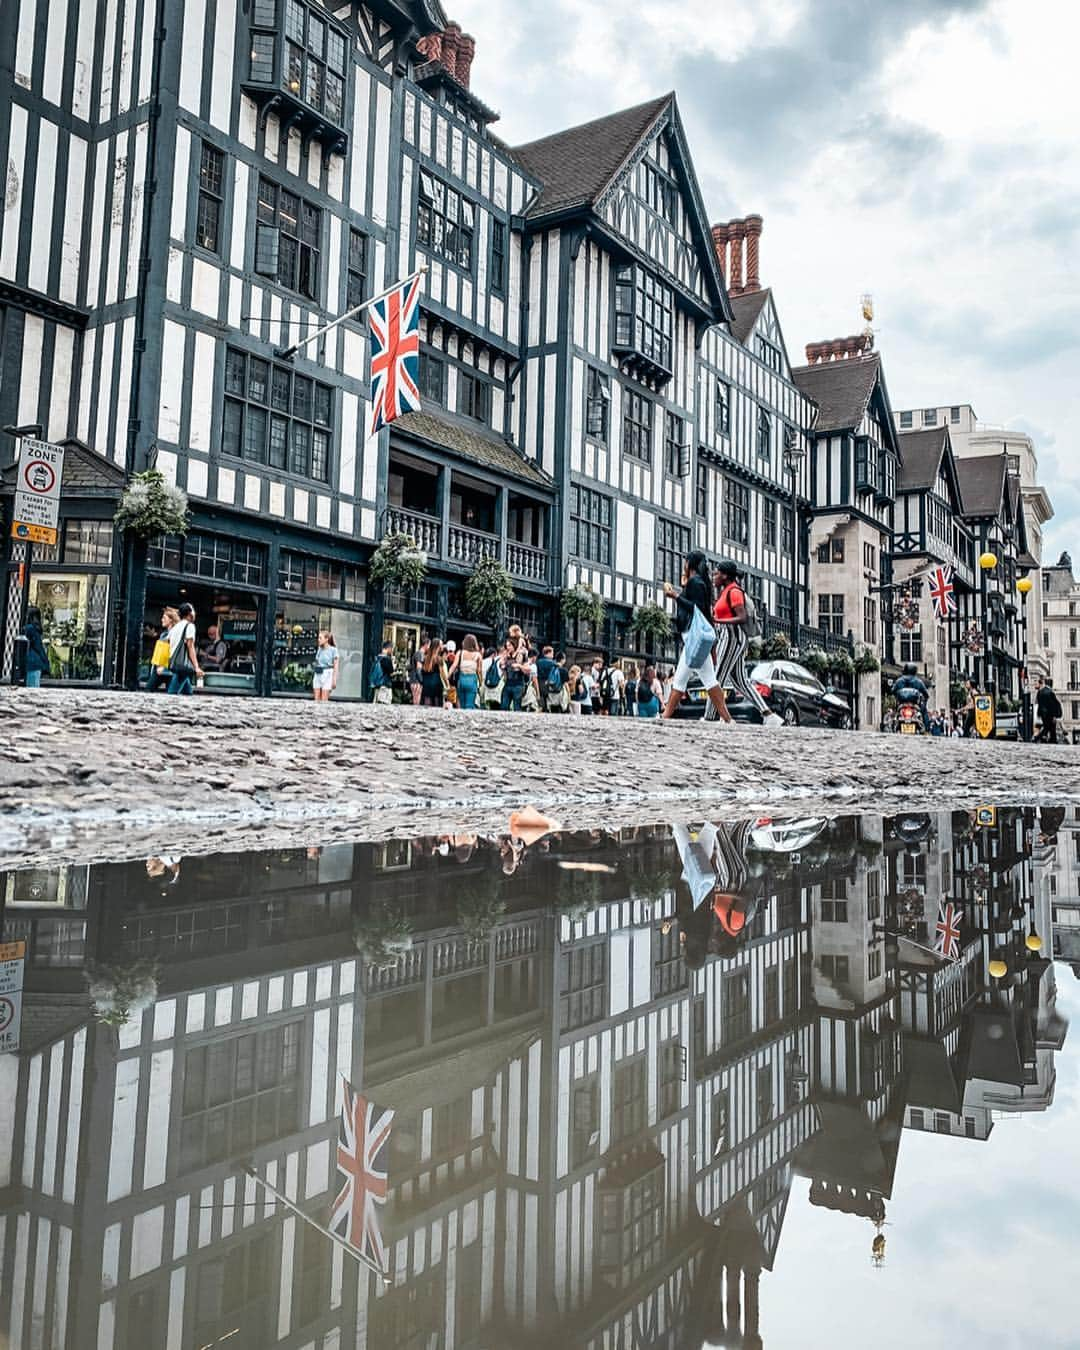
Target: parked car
[798, 696]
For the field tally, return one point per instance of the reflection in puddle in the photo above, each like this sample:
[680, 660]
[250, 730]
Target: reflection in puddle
[610, 1057]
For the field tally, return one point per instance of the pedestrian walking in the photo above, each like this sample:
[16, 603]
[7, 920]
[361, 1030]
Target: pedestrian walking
[327, 664]
[616, 691]
[493, 679]
[515, 671]
[695, 598]
[1049, 709]
[159, 657]
[968, 710]
[648, 693]
[729, 615]
[37, 656]
[382, 675]
[434, 680]
[416, 671]
[468, 668]
[630, 688]
[184, 665]
[576, 686]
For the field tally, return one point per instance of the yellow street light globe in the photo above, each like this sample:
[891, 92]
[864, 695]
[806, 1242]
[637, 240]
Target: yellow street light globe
[1033, 942]
[998, 969]
[987, 561]
[1024, 585]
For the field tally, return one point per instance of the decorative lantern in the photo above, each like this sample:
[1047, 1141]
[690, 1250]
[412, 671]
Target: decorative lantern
[988, 561]
[1033, 942]
[997, 968]
[1024, 585]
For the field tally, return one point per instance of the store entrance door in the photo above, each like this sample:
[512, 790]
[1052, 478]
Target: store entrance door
[227, 622]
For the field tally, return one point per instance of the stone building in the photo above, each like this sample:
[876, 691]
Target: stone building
[1059, 625]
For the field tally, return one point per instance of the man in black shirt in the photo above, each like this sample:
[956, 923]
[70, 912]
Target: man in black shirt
[1049, 708]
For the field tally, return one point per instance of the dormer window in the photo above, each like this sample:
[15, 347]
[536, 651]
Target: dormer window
[644, 319]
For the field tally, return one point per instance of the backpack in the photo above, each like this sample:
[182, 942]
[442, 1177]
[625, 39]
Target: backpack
[377, 678]
[605, 684]
[751, 620]
[554, 679]
[493, 678]
[645, 692]
[630, 689]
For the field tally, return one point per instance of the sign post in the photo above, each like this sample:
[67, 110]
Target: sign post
[12, 961]
[37, 492]
[984, 715]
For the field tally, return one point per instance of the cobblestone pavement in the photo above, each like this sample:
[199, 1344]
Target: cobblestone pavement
[90, 776]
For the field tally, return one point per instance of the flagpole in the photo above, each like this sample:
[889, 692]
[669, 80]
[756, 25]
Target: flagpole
[286, 353]
[326, 1232]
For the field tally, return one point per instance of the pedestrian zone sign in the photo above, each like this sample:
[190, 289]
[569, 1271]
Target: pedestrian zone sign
[986, 816]
[12, 961]
[984, 715]
[37, 492]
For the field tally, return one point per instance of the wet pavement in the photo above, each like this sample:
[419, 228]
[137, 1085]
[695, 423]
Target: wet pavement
[792, 1082]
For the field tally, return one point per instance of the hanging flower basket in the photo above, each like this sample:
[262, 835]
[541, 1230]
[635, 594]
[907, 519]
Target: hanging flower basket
[777, 648]
[755, 649]
[840, 663]
[581, 603]
[398, 561]
[120, 991]
[866, 663]
[152, 506]
[382, 936]
[815, 660]
[489, 590]
[478, 912]
[652, 624]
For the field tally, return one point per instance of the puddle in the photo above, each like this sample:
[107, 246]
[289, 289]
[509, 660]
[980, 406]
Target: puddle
[784, 1082]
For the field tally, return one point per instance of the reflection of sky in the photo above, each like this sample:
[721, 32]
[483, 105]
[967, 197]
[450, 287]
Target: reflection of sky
[983, 1240]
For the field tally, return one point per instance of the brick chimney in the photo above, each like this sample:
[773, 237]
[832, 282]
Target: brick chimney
[719, 238]
[465, 53]
[839, 349]
[736, 232]
[753, 226]
[450, 39]
[452, 49]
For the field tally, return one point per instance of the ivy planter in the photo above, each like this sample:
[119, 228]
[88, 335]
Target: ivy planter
[152, 506]
[652, 624]
[489, 591]
[398, 561]
[840, 663]
[580, 603]
[866, 663]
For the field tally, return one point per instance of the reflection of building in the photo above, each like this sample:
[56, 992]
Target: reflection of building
[595, 1138]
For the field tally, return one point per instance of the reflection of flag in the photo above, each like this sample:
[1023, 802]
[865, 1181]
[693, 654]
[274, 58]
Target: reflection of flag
[947, 936]
[363, 1145]
[395, 354]
[941, 592]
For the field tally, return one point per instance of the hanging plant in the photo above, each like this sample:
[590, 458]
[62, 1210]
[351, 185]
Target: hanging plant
[815, 660]
[777, 648]
[398, 561]
[152, 506]
[479, 911]
[382, 936]
[120, 991]
[581, 602]
[840, 663]
[866, 663]
[489, 590]
[652, 624]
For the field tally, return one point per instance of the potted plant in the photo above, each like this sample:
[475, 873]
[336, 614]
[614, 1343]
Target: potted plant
[581, 604]
[120, 991]
[489, 591]
[398, 561]
[866, 662]
[652, 624]
[152, 506]
[816, 661]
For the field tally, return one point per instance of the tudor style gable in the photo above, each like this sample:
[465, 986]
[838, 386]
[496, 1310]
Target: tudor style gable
[757, 326]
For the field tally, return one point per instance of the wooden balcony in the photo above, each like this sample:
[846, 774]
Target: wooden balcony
[464, 547]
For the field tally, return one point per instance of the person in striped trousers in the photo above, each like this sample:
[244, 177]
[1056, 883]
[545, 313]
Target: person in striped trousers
[729, 614]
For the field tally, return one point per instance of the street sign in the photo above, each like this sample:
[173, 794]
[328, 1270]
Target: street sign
[12, 960]
[986, 816]
[984, 715]
[37, 492]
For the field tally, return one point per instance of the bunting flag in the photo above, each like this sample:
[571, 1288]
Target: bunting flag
[395, 354]
[947, 935]
[942, 592]
[363, 1150]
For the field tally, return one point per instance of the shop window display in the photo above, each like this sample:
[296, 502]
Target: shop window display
[296, 636]
[73, 608]
[223, 617]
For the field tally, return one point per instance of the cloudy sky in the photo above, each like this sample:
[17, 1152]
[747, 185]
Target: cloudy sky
[925, 151]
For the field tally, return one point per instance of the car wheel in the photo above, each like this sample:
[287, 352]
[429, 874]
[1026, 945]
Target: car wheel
[791, 715]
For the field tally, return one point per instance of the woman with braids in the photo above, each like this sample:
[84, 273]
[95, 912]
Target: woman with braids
[696, 594]
[729, 614]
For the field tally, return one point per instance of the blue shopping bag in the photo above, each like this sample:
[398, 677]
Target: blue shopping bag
[698, 640]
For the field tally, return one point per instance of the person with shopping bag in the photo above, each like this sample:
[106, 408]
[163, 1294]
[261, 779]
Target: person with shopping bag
[693, 620]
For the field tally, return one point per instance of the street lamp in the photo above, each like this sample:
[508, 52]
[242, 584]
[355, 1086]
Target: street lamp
[1024, 586]
[794, 454]
[987, 563]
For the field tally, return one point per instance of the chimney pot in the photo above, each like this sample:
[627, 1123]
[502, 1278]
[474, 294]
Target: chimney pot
[753, 226]
[719, 238]
[465, 53]
[736, 235]
[451, 38]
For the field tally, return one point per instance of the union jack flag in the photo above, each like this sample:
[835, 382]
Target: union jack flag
[941, 592]
[947, 937]
[363, 1145]
[395, 354]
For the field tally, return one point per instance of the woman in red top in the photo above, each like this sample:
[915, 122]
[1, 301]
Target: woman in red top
[729, 614]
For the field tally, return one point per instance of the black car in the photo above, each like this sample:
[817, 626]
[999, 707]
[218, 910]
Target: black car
[795, 694]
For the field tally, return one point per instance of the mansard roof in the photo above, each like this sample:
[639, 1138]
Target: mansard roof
[576, 165]
[746, 309]
[841, 389]
[982, 484]
[489, 451]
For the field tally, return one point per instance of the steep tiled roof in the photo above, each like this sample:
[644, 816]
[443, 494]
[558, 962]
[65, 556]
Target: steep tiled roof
[86, 473]
[481, 447]
[746, 309]
[841, 389]
[576, 165]
[922, 452]
[982, 484]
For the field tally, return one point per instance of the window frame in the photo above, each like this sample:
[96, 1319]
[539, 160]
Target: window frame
[356, 276]
[280, 455]
[675, 444]
[598, 397]
[644, 315]
[206, 193]
[722, 407]
[437, 202]
[736, 513]
[596, 530]
[831, 611]
[763, 432]
[307, 256]
[476, 406]
[638, 425]
[497, 273]
[673, 542]
[770, 523]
